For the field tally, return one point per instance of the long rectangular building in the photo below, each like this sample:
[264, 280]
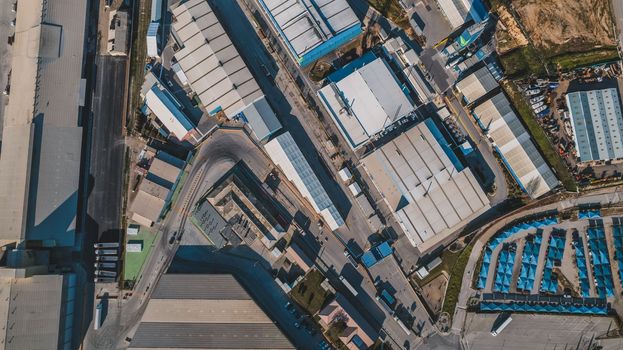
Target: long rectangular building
[284, 152]
[312, 28]
[42, 137]
[201, 311]
[512, 141]
[476, 85]
[597, 123]
[429, 192]
[210, 61]
[457, 12]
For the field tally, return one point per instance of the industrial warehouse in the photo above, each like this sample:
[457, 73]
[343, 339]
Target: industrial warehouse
[210, 61]
[513, 143]
[422, 181]
[597, 124]
[476, 85]
[203, 311]
[364, 98]
[312, 28]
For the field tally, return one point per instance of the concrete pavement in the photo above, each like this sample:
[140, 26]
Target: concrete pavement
[6, 30]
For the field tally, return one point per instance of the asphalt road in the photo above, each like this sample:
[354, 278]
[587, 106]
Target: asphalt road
[6, 16]
[107, 150]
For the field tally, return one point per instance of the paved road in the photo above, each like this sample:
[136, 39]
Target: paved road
[6, 30]
[107, 149]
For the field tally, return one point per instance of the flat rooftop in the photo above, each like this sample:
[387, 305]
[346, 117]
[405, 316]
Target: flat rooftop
[40, 160]
[476, 85]
[429, 196]
[365, 100]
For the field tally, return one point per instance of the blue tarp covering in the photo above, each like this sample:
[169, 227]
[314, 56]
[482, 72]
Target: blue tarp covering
[580, 261]
[599, 259]
[617, 235]
[546, 308]
[553, 257]
[589, 214]
[504, 271]
[529, 261]
[376, 254]
[504, 235]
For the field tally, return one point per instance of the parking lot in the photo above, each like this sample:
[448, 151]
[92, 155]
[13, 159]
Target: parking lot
[534, 332]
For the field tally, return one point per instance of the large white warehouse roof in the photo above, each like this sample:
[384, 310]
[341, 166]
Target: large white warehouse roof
[366, 101]
[515, 145]
[476, 85]
[208, 58]
[430, 197]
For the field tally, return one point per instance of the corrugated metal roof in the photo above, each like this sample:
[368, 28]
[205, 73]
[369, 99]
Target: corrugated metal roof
[151, 335]
[306, 24]
[168, 112]
[214, 69]
[597, 123]
[284, 152]
[365, 101]
[261, 118]
[429, 196]
[476, 85]
[514, 143]
[200, 286]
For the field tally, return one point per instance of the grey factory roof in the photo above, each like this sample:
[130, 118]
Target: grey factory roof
[515, 145]
[429, 196]
[47, 90]
[261, 119]
[597, 123]
[208, 58]
[476, 85]
[203, 311]
[306, 24]
[31, 311]
[365, 101]
[456, 11]
[284, 152]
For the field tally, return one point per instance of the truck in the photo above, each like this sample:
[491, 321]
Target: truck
[501, 327]
[107, 258]
[104, 273]
[105, 265]
[348, 285]
[106, 245]
[97, 321]
[106, 252]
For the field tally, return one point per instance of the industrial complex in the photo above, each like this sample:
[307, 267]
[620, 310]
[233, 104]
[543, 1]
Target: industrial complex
[310, 174]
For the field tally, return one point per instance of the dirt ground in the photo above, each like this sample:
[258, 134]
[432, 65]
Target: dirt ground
[434, 291]
[567, 25]
[508, 34]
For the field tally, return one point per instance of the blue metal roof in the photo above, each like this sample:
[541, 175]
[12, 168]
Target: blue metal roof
[546, 308]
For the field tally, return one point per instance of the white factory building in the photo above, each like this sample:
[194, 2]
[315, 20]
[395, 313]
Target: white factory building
[311, 29]
[363, 98]
[430, 193]
[597, 123]
[457, 12]
[286, 154]
[210, 61]
[512, 141]
[476, 85]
